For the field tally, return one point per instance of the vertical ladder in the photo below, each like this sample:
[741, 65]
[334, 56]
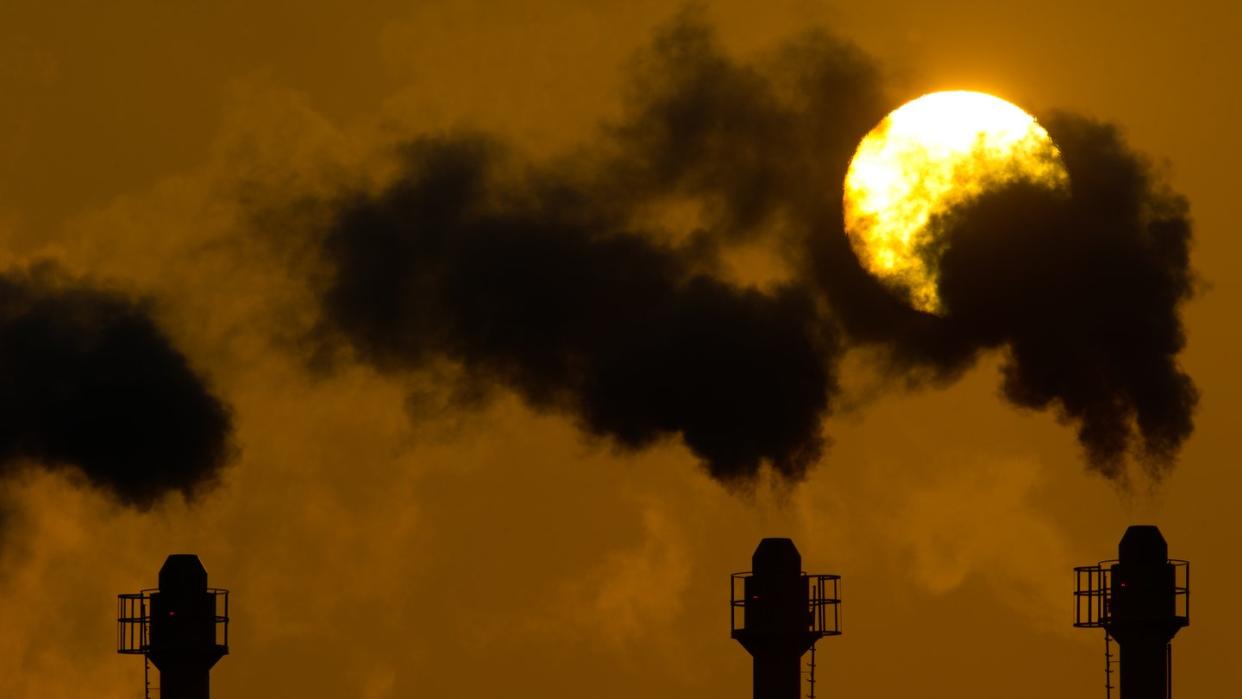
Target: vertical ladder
[152, 692]
[1168, 671]
[1108, 665]
[146, 660]
[811, 674]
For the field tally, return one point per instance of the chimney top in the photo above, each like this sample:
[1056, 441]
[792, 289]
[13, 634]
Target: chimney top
[183, 572]
[1143, 544]
[776, 557]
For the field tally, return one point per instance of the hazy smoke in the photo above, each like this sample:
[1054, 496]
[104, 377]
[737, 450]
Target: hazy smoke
[88, 381]
[552, 280]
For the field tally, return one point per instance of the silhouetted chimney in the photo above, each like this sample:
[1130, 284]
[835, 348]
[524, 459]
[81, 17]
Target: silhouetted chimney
[181, 627]
[1141, 600]
[784, 612]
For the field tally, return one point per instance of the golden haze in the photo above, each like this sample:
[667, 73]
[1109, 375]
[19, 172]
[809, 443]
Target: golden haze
[502, 555]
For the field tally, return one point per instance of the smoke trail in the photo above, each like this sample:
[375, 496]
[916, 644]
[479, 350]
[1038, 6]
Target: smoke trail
[551, 280]
[1084, 293]
[88, 381]
[532, 284]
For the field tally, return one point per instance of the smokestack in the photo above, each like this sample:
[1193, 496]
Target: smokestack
[784, 611]
[182, 628]
[1141, 600]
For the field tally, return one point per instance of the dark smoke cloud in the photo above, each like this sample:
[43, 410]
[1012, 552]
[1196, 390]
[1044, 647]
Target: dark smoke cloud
[87, 381]
[749, 141]
[551, 280]
[1084, 292]
[532, 284]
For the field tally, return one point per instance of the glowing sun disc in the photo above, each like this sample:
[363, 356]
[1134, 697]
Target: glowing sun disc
[927, 156]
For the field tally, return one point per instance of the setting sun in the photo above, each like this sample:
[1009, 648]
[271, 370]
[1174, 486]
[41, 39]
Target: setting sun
[938, 151]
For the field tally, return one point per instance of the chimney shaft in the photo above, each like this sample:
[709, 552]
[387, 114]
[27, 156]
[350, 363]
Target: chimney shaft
[176, 626]
[783, 615]
[1142, 615]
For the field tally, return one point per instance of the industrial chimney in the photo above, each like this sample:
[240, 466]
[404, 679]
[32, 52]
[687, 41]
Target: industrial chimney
[182, 628]
[1141, 600]
[783, 612]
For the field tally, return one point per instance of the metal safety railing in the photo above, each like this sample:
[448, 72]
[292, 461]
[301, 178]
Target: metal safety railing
[133, 623]
[823, 603]
[1093, 591]
[133, 617]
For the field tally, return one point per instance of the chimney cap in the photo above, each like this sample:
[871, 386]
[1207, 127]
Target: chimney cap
[183, 572]
[776, 556]
[1143, 544]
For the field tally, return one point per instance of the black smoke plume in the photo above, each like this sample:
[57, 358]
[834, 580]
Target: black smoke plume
[551, 279]
[89, 382]
[1083, 291]
[536, 285]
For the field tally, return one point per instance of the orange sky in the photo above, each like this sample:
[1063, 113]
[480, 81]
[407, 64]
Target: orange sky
[501, 553]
